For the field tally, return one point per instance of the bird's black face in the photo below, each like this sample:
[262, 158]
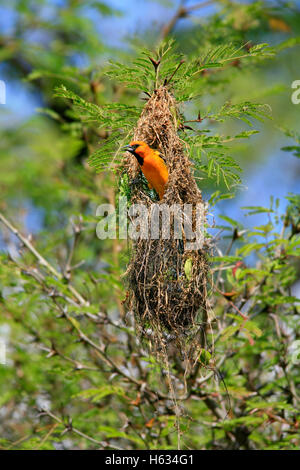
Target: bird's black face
[132, 149]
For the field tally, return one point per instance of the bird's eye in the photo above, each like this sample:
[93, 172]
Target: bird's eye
[135, 146]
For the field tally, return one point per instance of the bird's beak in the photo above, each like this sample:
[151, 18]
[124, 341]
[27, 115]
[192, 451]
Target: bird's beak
[129, 148]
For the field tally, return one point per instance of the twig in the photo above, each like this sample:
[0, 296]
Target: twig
[95, 346]
[199, 5]
[69, 427]
[47, 435]
[68, 267]
[43, 262]
[156, 64]
[167, 81]
[14, 444]
[182, 12]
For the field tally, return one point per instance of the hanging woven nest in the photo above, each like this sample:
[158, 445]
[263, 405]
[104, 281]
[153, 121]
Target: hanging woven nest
[167, 281]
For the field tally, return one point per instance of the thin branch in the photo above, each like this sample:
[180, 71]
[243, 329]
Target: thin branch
[83, 337]
[69, 427]
[199, 5]
[43, 262]
[52, 429]
[68, 266]
[166, 30]
[182, 12]
[167, 81]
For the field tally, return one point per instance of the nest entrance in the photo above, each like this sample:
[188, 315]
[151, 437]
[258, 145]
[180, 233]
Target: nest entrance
[167, 281]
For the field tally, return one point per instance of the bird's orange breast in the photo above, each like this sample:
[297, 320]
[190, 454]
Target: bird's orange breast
[155, 172]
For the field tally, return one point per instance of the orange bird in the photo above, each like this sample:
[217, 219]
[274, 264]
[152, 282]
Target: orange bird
[151, 164]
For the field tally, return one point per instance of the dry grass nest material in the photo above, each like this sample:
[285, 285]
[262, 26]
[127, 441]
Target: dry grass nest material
[161, 295]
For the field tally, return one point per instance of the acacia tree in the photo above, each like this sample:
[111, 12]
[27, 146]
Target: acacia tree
[78, 375]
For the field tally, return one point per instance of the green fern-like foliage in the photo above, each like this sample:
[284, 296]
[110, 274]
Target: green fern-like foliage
[210, 154]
